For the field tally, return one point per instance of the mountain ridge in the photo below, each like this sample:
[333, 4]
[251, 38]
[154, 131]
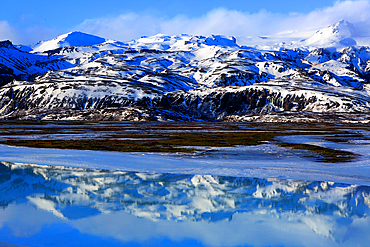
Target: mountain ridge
[183, 77]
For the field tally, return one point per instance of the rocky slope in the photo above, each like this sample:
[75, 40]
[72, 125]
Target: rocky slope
[184, 77]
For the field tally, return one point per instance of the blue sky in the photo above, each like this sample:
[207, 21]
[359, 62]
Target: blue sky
[25, 21]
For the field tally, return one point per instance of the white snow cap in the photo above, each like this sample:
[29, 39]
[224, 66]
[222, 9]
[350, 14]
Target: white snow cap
[338, 34]
[68, 39]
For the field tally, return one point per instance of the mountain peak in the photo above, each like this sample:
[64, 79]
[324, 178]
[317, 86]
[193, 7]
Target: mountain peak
[342, 28]
[336, 35]
[342, 23]
[75, 38]
[6, 44]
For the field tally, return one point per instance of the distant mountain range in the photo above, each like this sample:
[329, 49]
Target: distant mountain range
[79, 76]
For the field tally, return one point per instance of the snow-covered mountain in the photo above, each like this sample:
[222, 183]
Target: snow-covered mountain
[336, 35]
[68, 39]
[184, 77]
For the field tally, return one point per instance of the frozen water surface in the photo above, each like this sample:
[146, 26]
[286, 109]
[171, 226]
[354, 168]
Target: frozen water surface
[265, 161]
[263, 195]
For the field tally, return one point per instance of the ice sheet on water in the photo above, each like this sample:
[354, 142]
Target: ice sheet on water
[263, 161]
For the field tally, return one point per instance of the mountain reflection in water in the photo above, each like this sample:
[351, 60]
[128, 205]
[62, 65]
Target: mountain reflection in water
[93, 207]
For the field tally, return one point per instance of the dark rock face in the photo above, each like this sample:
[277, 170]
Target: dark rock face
[206, 104]
[6, 74]
[248, 101]
[6, 78]
[212, 105]
[291, 101]
[219, 103]
[6, 44]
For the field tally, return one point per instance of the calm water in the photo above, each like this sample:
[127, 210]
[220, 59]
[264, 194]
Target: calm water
[55, 206]
[258, 195]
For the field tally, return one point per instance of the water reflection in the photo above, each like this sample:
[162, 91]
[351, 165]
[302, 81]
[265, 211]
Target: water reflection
[128, 208]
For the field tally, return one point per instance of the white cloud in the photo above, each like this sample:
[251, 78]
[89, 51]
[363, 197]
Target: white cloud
[7, 32]
[25, 35]
[227, 22]
[123, 27]
[217, 21]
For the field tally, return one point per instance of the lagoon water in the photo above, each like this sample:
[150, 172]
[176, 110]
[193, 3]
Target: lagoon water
[263, 195]
[49, 206]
